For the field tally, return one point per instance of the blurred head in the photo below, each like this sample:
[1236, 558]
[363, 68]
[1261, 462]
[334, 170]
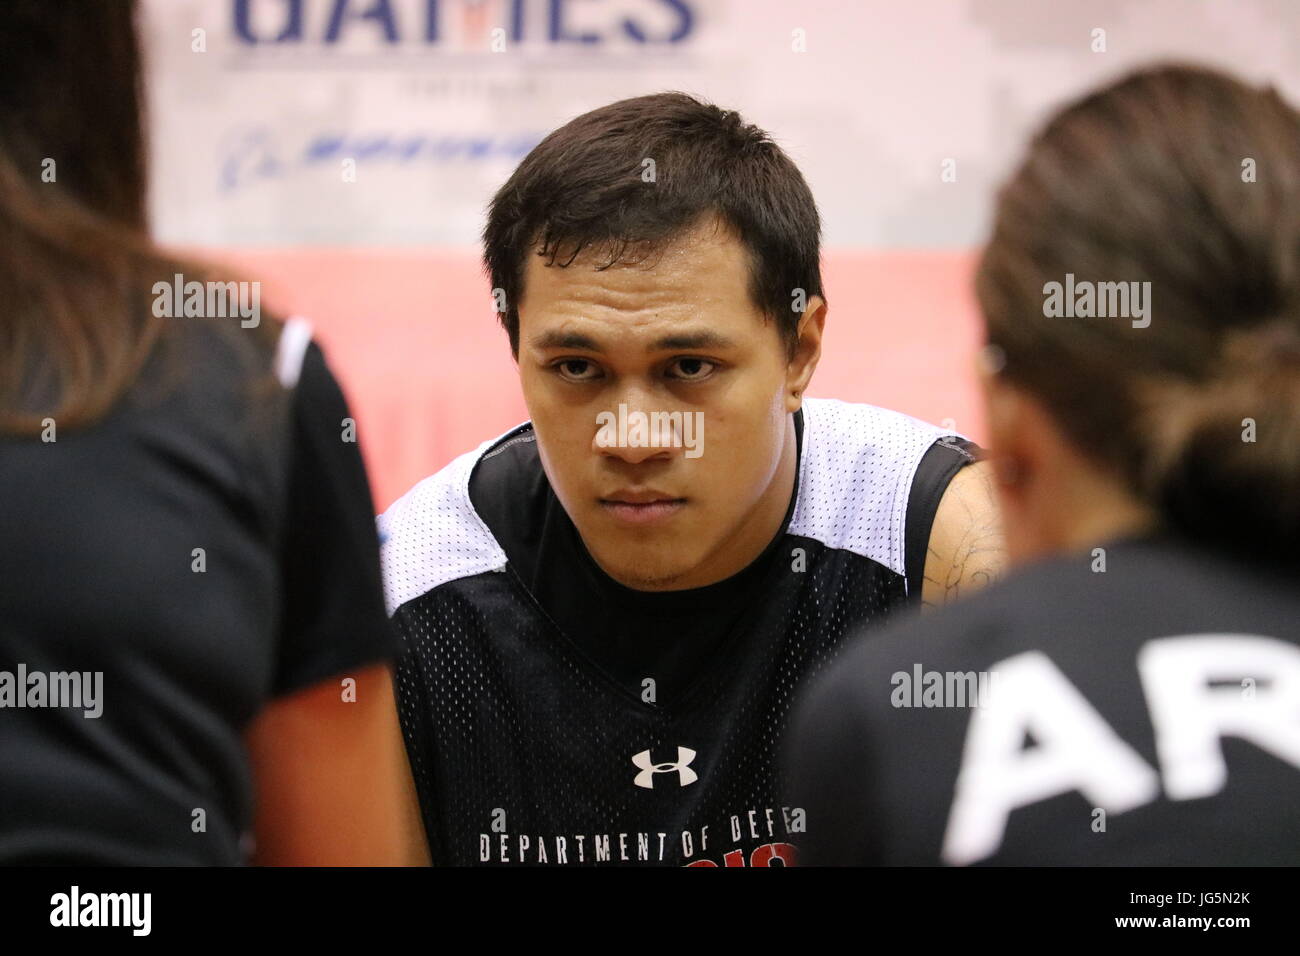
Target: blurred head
[70, 92]
[659, 257]
[1173, 404]
[76, 261]
[72, 212]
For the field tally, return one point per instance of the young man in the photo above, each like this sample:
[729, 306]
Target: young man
[1130, 695]
[608, 609]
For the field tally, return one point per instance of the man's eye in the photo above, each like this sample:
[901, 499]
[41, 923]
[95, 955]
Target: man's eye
[692, 369]
[577, 370]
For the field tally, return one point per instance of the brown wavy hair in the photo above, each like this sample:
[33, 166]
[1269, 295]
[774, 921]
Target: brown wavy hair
[1188, 179]
[76, 260]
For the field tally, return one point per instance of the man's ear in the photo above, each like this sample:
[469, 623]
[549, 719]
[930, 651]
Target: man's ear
[808, 351]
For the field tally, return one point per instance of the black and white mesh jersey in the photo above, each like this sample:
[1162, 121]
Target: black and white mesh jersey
[531, 736]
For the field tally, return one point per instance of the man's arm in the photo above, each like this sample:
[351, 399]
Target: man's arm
[966, 549]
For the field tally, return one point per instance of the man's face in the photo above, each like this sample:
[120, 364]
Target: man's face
[677, 332]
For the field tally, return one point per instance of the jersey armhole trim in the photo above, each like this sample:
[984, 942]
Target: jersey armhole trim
[939, 463]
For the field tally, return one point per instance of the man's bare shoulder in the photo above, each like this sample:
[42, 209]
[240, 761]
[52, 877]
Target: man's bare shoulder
[966, 550]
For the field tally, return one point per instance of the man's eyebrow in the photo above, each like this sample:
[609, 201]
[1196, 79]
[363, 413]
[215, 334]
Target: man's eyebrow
[704, 339]
[555, 339]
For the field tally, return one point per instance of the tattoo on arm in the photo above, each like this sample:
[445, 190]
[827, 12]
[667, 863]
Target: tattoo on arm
[968, 552]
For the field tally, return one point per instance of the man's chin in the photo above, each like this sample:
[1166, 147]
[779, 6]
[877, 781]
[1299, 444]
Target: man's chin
[647, 571]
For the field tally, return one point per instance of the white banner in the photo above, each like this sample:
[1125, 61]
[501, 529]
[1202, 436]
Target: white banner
[391, 122]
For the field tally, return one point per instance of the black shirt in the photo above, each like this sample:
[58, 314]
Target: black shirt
[205, 547]
[1144, 714]
[635, 636]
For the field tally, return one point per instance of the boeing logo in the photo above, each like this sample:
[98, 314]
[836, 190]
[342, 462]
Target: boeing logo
[248, 156]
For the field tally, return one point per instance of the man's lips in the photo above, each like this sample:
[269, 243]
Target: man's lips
[641, 507]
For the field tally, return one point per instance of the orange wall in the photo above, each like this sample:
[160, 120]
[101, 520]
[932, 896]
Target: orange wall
[413, 338]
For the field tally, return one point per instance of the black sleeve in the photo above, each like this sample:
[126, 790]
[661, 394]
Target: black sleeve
[944, 459]
[828, 764]
[333, 615]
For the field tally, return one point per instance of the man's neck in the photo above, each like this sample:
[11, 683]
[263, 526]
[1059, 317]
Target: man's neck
[1087, 512]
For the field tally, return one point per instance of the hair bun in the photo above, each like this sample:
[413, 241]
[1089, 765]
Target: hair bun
[1222, 455]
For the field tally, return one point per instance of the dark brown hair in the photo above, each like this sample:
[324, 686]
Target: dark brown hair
[76, 262]
[1190, 180]
[586, 185]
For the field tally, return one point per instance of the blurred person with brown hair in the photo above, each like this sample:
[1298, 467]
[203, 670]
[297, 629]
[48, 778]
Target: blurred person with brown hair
[193, 644]
[1130, 693]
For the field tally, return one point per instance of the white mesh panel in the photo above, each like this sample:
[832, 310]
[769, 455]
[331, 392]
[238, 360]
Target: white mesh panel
[855, 476]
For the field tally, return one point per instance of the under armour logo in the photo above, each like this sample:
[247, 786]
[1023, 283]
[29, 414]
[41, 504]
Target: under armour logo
[646, 778]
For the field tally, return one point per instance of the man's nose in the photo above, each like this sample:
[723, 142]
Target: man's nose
[637, 429]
